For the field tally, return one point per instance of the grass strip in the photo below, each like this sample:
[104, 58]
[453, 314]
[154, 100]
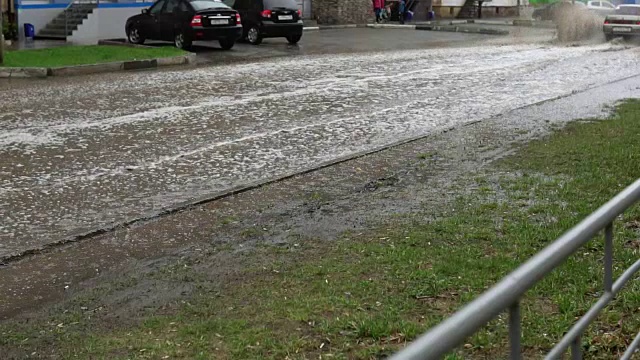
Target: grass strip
[83, 55]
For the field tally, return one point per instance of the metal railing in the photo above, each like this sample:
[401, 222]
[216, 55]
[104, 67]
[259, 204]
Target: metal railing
[507, 293]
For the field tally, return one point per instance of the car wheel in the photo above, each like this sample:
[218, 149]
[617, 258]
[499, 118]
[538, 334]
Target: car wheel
[133, 35]
[253, 35]
[294, 39]
[227, 44]
[181, 41]
[608, 37]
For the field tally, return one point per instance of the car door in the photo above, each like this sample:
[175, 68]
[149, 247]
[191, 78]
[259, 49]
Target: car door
[595, 7]
[607, 8]
[169, 20]
[150, 26]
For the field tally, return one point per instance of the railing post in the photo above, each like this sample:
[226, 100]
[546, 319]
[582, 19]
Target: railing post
[608, 257]
[515, 332]
[576, 349]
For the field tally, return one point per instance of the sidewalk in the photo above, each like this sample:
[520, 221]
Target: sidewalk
[36, 44]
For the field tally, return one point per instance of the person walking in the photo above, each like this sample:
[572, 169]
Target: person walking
[402, 9]
[378, 5]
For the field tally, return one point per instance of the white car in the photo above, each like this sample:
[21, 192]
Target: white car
[602, 8]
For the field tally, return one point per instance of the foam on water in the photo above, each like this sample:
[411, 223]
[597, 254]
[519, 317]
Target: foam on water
[79, 155]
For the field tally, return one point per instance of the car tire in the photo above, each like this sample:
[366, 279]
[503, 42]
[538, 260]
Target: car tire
[608, 37]
[181, 41]
[254, 37]
[294, 39]
[133, 35]
[226, 44]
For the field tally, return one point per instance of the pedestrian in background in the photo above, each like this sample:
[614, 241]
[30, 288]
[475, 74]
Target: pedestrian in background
[402, 8]
[378, 5]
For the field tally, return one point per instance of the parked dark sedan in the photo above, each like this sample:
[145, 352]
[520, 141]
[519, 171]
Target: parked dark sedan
[269, 19]
[185, 21]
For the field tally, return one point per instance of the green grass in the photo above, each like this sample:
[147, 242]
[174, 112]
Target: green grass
[81, 55]
[367, 294]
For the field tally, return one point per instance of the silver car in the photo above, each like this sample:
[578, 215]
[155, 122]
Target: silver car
[602, 8]
[624, 22]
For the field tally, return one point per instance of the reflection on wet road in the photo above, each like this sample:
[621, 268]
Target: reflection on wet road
[78, 155]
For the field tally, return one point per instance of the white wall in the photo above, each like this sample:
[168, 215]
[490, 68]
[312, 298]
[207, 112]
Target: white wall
[305, 7]
[102, 24]
[38, 17]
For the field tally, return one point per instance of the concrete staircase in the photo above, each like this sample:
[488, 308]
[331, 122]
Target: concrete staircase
[67, 21]
[469, 10]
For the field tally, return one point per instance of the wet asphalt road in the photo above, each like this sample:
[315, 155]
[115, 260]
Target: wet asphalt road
[339, 42]
[81, 153]
[360, 40]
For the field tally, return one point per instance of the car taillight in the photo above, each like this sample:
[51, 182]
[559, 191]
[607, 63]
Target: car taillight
[637, 22]
[299, 12]
[606, 22]
[238, 20]
[266, 14]
[196, 21]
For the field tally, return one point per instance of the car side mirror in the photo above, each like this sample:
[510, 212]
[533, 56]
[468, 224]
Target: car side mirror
[145, 11]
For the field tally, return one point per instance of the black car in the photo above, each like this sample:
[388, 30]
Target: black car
[185, 21]
[269, 19]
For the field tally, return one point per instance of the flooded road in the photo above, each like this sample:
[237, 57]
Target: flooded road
[81, 154]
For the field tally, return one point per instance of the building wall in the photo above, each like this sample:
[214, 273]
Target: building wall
[450, 12]
[448, 9]
[37, 13]
[332, 12]
[305, 8]
[106, 22]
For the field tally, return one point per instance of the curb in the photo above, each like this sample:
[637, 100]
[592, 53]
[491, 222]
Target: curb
[495, 22]
[334, 27]
[450, 28]
[391, 26]
[15, 72]
[97, 68]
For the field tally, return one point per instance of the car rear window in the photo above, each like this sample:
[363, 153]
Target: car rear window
[272, 4]
[207, 4]
[628, 10]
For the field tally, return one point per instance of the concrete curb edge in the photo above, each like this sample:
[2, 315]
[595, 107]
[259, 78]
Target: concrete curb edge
[452, 28]
[11, 72]
[392, 26]
[334, 27]
[19, 72]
